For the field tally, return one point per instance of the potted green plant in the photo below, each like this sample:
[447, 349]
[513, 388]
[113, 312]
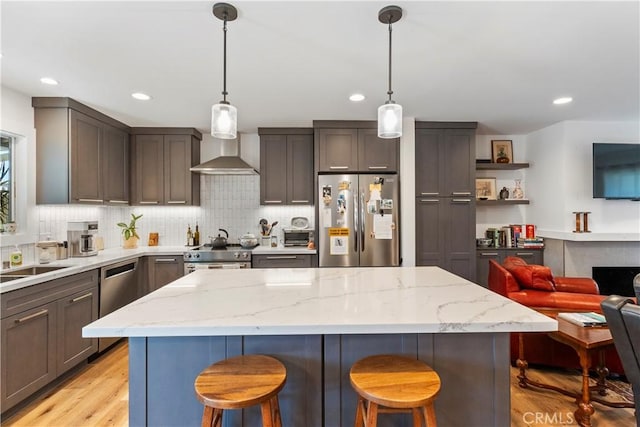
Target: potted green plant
[129, 232]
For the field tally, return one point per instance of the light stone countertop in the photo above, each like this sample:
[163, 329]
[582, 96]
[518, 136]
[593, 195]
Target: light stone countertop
[319, 301]
[79, 265]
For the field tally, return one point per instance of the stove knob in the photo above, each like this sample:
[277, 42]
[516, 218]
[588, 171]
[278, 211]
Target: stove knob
[245, 255]
[196, 255]
[236, 255]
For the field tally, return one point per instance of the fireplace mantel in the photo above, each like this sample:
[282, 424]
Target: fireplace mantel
[589, 237]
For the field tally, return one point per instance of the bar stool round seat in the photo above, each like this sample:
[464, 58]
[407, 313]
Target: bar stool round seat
[240, 382]
[392, 383]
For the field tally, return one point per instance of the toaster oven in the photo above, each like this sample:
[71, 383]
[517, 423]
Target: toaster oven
[297, 237]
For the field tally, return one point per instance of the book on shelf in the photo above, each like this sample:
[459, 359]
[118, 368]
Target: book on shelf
[588, 319]
[536, 242]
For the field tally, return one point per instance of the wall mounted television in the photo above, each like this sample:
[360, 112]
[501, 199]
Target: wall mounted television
[616, 171]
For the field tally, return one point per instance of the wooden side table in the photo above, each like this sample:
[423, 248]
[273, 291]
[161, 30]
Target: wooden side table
[585, 341]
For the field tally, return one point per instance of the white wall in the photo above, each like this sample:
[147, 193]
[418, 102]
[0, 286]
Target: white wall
[561, 170]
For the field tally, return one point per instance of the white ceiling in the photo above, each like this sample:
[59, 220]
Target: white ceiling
[498, 63]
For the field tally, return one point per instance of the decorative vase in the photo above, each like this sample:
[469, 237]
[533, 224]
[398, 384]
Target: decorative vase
[504, 193]
[517, 191]
[130, 243]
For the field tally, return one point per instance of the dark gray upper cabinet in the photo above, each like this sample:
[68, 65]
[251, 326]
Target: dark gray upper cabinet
[286, 166]
[162, 158]
[81, 155]
[445, 162]
[354, 146]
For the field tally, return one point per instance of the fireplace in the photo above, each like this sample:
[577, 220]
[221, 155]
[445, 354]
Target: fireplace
[615, 280]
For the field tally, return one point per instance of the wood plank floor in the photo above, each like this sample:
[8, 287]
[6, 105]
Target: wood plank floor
[98, 396]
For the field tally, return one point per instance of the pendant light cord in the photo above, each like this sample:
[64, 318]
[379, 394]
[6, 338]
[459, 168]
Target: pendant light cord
[224, 67]
[390, 92]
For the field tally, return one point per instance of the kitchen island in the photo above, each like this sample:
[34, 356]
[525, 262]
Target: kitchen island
[318, 322]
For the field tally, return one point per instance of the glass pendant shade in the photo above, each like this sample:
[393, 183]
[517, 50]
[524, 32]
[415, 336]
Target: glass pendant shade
[390, 120]
[224, 121]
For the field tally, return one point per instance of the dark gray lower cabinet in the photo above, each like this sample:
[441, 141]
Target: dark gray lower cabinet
[163, 270]
[445, 234]
[531, 256]
[282, 261]
[42, 333]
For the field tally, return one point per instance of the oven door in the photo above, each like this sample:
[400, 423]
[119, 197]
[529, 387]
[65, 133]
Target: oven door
[193, 266]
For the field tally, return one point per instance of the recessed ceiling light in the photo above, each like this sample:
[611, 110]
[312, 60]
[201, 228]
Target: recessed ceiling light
[563, 100]
[48, 81]
[356, 97]
[141, 96]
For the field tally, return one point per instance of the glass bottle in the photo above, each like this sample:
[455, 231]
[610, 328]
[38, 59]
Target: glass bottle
[189, 236]
[196, 236]
[517, 191]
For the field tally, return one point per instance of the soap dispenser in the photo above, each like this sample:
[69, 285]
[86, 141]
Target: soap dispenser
[15, 258]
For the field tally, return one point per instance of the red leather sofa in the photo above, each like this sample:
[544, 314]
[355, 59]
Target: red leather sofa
[534, 286]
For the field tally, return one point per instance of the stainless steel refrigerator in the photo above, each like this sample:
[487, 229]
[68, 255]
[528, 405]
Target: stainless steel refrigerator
[358, 220]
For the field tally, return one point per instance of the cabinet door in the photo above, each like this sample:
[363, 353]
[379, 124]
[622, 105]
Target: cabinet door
[273, 169]
[75, 312]
[460, 245]
[429, 156]
[115, 166]
[482, 265]
[531, 256]
[338, 150]
[300, 169]
[28, 353]
[377, 154]
[177, 173]
[149, 169]
[430, 234]
[164, 270]
[281, 261]
[86, 167]
[458, 163]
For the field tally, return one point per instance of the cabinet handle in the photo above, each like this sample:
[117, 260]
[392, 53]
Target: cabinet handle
[460, 193]
[283, 257]
[429, 200]
[489, 253]
[273, 201]
[377, 167]
[524, 253]
[339, 167]
[177, 202]
[91, 200]
[461, 200]
[32, 316]
[155, 202]
[165, 260]
[76, 299]
[118, 201]
[299, 201]
[429, 194]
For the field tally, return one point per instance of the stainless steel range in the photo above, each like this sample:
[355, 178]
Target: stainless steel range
[233, 256]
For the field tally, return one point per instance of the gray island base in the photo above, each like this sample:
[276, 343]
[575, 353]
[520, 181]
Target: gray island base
[318, 322]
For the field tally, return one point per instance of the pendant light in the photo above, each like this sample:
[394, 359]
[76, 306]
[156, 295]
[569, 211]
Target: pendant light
[390, 113]
[224, 116]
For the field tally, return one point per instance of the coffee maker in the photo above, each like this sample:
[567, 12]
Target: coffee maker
[81, 237]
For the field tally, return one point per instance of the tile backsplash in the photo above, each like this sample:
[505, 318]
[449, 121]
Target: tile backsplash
[228, 202]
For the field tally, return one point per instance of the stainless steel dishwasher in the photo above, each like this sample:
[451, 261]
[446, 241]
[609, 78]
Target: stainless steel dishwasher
[118, 287]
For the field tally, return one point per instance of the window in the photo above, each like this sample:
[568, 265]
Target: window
[7, 182]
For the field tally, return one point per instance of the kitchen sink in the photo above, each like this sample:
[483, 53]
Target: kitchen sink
[20, 273]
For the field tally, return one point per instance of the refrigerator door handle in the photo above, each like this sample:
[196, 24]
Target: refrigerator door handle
[362, 214]
[355, 220]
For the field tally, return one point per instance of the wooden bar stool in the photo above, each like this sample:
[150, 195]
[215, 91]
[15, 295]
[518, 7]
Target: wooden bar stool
[240, 382]
[389, 383]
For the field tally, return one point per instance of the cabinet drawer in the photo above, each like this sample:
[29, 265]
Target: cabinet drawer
[281, 261]
[33, 296]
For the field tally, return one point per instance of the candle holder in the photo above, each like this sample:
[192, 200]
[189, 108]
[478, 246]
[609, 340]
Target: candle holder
[582, 217]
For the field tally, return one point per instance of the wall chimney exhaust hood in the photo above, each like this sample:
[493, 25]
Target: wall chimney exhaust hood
[228, 163]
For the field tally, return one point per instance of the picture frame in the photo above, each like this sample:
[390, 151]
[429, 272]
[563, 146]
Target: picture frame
[502, 151]
[486, 189]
